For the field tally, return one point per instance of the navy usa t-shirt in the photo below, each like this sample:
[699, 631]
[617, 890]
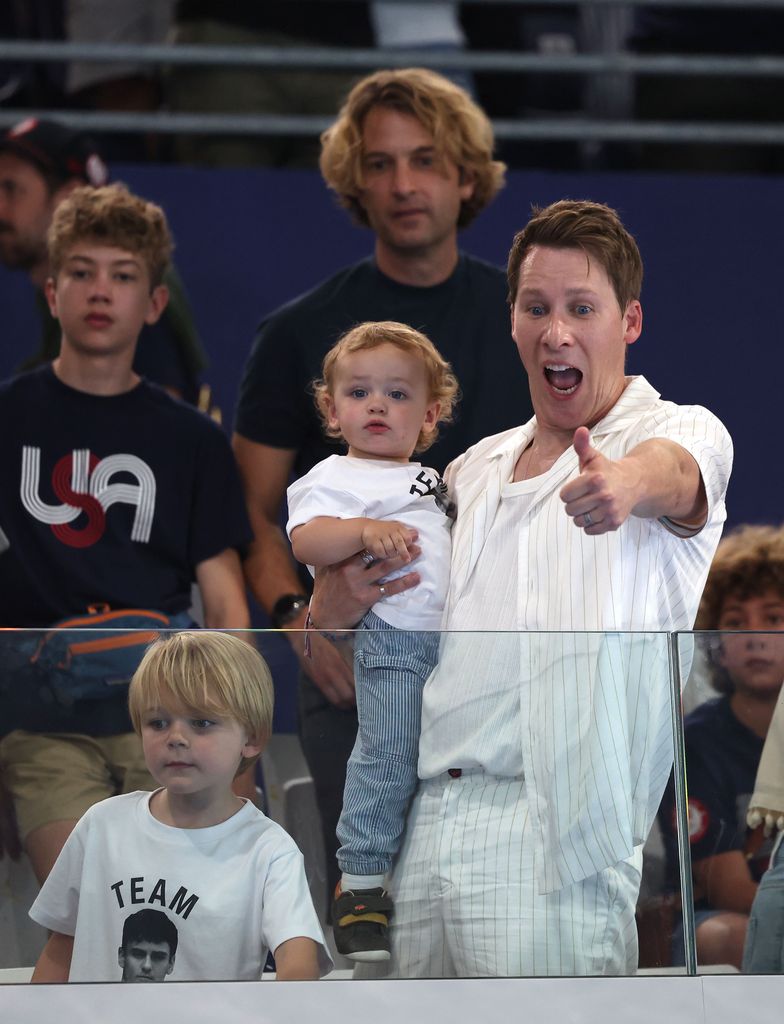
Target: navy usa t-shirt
[105, 500]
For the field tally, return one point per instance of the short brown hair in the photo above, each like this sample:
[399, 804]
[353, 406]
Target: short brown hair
[441, 381]
[581, 224]
[461, 132]
[749, 562]
[111, 215]
[213, 672]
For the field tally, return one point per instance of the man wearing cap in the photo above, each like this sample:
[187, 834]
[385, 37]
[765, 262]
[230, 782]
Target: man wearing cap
[41, 162]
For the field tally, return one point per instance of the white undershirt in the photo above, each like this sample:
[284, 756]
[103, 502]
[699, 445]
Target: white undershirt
[475, 731]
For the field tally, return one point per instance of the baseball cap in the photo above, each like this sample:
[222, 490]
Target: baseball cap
[56, 150]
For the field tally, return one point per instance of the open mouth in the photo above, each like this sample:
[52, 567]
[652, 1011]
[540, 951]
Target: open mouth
[563, 378]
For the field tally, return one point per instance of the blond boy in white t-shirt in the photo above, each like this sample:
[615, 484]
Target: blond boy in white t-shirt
[221, 884]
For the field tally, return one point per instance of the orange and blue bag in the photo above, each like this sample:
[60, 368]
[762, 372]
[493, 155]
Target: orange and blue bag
[89, 657]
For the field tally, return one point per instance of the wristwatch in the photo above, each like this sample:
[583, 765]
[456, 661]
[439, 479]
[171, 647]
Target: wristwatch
[287, 608]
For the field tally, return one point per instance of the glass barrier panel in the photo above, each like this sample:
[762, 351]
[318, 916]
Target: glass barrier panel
[516, 797]
[732, 703]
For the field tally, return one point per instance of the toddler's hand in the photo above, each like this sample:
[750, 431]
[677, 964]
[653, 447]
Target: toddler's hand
[385, 538]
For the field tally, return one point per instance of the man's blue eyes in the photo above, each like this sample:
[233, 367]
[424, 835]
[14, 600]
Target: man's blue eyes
[582, 310]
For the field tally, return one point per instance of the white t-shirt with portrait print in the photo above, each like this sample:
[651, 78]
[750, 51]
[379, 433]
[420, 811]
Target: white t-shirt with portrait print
[233, 891]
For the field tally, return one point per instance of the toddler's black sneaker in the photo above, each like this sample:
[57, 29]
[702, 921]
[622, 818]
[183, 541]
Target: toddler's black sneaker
[361, 924]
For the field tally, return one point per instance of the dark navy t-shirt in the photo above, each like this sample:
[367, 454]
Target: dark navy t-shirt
[722, 756]
[108, 500]
[466, 317]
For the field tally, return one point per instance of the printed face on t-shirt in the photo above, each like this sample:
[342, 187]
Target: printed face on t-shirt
[381, 401]
[145, 961]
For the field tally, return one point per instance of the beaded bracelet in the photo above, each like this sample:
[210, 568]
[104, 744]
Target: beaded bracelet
[335, 637]
[344, 636]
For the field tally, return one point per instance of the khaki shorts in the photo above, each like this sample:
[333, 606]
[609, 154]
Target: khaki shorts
[57, 776]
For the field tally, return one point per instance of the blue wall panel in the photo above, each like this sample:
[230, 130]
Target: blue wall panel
[248, 240]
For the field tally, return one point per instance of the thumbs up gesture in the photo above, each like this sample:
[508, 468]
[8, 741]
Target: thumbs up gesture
[602, 496]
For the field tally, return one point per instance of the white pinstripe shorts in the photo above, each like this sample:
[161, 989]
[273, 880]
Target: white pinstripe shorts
[467, 901]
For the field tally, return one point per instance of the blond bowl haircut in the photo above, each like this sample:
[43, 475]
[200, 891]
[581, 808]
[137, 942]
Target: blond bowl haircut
[209, 672]
[112, 216]
[581, 224]
[460, 130]
[749, 562]
[442, 383]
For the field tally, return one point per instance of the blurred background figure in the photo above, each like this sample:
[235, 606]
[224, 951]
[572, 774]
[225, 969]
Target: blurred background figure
[725, 737]
[41, 163]
[117, 85]
[250, 90]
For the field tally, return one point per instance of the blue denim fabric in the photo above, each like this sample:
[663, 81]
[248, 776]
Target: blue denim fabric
[764, 949]
[390, 669]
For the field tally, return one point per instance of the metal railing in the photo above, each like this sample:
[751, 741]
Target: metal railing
[588, 127]
[366, 59]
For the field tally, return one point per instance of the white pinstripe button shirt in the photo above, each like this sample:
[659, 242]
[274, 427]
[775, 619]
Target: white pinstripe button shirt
[585, 716]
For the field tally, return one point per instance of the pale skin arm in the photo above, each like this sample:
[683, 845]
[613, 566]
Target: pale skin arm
[726, 881]
[325, 540]
[265, 474]
[54, 963]
[656, 478]
[296, 960]
[222, 590]
[269, 569]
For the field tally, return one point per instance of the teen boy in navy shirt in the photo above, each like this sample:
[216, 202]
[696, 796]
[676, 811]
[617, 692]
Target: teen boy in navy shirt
[111, 492]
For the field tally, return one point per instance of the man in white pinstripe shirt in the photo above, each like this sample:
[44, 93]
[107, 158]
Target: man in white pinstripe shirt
[545, 749]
